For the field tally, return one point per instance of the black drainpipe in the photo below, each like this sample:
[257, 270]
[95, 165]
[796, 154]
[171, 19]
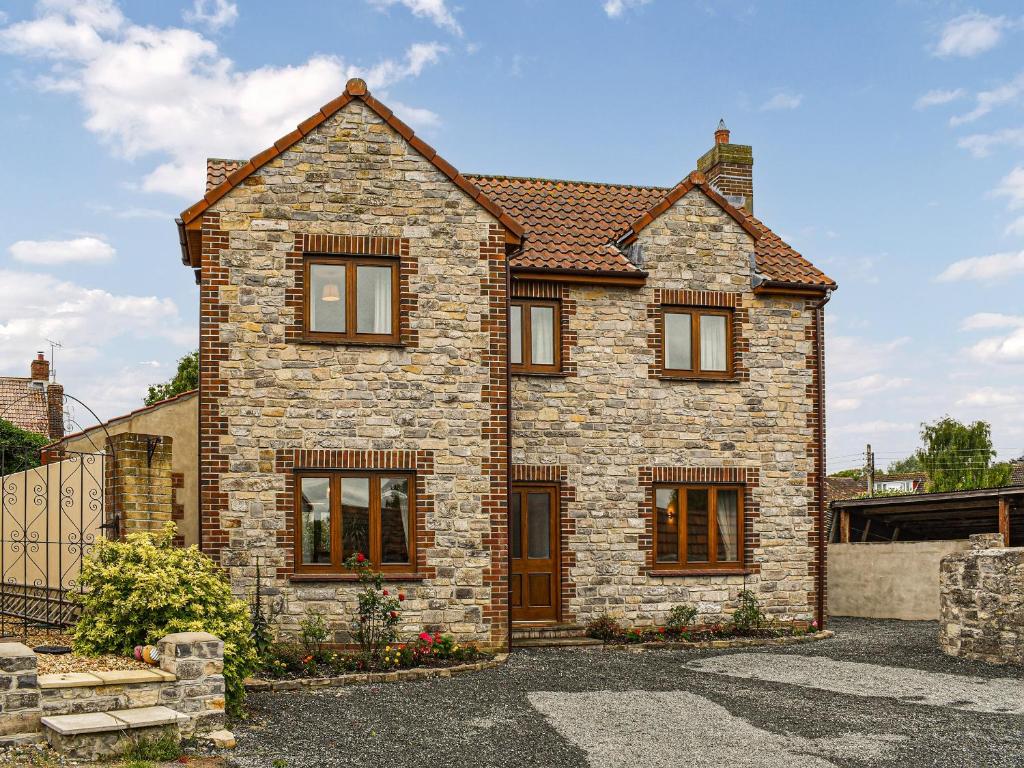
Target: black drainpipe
[819, 335]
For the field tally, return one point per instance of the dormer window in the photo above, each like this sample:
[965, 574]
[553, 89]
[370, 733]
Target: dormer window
[351, 299]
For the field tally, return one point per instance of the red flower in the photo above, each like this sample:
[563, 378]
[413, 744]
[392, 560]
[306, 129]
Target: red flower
[394, 614]
[401, 596]
[426, 638]
[385, 593]
[360, 557]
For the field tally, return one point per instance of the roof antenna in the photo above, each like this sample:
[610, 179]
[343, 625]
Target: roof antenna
[54, 346]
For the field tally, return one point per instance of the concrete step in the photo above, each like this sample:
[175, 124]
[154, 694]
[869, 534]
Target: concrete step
[555, 642]
[118, 720]
[22, 739]
[533, 631]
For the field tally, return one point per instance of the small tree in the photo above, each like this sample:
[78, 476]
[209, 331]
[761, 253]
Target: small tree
[186, 379]
[19, 449]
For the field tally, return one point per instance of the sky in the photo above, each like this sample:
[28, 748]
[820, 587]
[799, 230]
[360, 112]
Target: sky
[888, 144]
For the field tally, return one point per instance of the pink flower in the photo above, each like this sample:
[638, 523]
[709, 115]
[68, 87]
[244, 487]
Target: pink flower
[814, 624]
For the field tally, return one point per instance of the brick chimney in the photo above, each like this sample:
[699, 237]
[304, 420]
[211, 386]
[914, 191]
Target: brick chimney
[730, 169]
[40, 368]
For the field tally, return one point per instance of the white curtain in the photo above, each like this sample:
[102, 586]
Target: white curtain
[515, 340]
[712, 343]
[542, 331]
[373, 289]
[727, 533]
[677, 341]
[382, 301]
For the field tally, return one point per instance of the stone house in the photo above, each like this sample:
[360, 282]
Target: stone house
[528, 401]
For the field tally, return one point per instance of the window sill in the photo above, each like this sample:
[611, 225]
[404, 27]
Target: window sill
[349, 342]
[685, 377]
[351, 577]
[542, 374]
[700, 572]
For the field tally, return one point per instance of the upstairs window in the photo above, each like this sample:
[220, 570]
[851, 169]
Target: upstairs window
[339, 514]
[697, 342]
[699, 527]
[535, 343]
[350, 298]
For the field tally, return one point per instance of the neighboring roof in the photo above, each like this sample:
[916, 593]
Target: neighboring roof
[1017, 476]
[837, 488]
[125, 417]
[30, 413]
[573, 225]
[928, 499]
[354, 89]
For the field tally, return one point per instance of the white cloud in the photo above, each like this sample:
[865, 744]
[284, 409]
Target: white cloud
[1016, 227]
[938, 97]
[35, 307]
[988, 397]
[1000, 349]
[1012, 186]
[871, 384]
[435, 10]
[133, 82]
[214, 14]
[614, 9]
[854, 356]
[982, 144]
[782, 100]
[843, 403]
[131, 212]
[971, 34]
[984, 268]
[877, 426]
[81, 250]
[986, 320]
[986, 101]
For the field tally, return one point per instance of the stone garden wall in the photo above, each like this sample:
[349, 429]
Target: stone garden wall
[982, 602]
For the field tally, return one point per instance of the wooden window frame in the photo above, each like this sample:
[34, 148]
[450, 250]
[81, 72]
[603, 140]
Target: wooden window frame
[336, 565]
[694, 371]
[527, 365]
[712, 564]
[351, 263]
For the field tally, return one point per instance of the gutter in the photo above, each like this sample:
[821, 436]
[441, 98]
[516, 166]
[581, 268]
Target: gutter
[819, 334]
[183, 242]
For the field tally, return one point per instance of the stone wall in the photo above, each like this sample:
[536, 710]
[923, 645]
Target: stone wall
[982, 602]
[19, 690]
[615, 427]
[196, 660]
[271, 401]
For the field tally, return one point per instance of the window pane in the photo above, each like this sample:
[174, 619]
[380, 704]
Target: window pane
[327, 298]
[542, 335]
[667, 503]
[712, 343]
[355, 516]
[697, 526]
[515, 340]
[727, 515]
[677, 341]
[316, 519]
[394, 519]
[517, 526]
[538, 525]
[373, 299]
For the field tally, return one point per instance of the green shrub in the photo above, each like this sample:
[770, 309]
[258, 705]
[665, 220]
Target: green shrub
[604, 627]
[376, 626]
[313, 631]
[146, 751]
[138, 590]
[748, 616]
[680, 617]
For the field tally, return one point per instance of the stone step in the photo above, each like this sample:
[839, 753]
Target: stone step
[22, 739]
[528, 631]
[97, 679]
[117, 720]
[555, 642]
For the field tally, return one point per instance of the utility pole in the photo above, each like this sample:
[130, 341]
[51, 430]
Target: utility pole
[869, 455]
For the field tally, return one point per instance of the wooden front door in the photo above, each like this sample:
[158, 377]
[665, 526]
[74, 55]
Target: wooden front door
[533, 547]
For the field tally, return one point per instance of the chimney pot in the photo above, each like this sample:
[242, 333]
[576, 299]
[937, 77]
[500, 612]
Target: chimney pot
[40, 369]
[721, 133]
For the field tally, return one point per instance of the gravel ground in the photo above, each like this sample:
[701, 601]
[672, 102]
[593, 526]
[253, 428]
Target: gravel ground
[579, 707]
[72, 662]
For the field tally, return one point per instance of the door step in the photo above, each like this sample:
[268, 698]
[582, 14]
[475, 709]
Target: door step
[555, 642]
[537, 631]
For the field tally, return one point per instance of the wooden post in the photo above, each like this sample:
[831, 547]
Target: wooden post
[867, 527]
[844, 526]
[1004, 519]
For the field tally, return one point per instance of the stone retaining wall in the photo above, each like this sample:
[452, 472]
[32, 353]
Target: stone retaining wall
[982, 602]
[190, 680]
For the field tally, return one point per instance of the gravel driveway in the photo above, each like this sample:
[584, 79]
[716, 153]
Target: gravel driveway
[878, 694]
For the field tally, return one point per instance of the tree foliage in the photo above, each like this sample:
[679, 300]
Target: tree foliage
[19, 449]
[854, 473]
[910, 464]
[186, 379]
[958, 457]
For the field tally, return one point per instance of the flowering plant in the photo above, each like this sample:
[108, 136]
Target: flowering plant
[376, 626]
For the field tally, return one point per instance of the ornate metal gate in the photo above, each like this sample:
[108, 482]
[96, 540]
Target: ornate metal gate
[51, 516]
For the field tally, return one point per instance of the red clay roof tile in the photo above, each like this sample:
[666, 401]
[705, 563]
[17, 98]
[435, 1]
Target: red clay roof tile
[22, 407]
